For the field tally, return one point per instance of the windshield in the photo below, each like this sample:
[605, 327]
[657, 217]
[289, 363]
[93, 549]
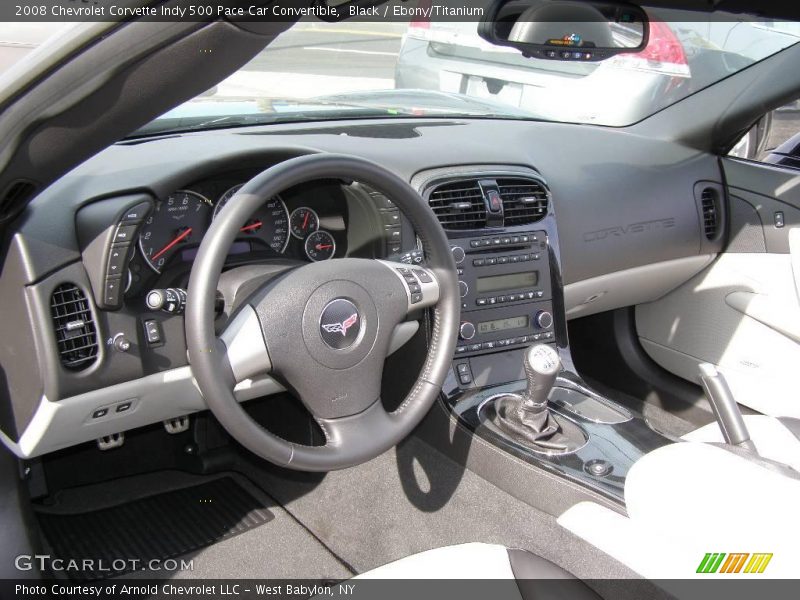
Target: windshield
[319, 71]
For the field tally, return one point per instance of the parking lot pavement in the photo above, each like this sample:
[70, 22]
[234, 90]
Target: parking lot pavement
[309, 60]
[785, 124]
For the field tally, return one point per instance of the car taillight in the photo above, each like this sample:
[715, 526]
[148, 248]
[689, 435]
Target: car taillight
[664, 46]
[420, 27]
[664, 53]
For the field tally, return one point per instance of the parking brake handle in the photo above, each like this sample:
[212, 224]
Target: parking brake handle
[726, 411]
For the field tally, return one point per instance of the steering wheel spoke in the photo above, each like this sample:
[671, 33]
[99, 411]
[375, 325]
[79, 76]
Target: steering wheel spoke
[245, 348]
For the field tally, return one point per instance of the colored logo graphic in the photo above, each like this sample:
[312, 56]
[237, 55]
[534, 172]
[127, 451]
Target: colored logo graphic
[742, 562]
[573, 39]
[343, 326]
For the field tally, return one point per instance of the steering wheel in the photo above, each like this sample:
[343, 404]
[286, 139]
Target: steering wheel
[323, 329]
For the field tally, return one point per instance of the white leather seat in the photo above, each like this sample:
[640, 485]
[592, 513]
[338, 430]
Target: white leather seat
[489, 561]
[772, 438]
[464, 561]
[688, 499]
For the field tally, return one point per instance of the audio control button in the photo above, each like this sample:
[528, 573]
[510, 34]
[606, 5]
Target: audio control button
[463, 288]
[423, 276]
[544, 319]
[466, 331]
[458, 254]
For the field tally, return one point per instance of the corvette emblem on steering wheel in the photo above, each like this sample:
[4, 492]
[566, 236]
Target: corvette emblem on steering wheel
[339, 324]
[343, 326]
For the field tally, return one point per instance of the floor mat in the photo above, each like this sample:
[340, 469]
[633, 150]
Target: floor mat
[156, 527]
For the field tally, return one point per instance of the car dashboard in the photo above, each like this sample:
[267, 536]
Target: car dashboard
[91, 249]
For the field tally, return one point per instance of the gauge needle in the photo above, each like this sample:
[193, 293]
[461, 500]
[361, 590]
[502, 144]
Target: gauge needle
[255, 225]
[171, 244]
[305, 221]
[323, 246]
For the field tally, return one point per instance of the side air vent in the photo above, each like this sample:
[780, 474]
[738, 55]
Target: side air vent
[459, 205]
[708, 201]
[524, 201]
[76, 334]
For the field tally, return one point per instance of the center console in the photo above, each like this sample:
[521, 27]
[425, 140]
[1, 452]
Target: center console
[504, 239]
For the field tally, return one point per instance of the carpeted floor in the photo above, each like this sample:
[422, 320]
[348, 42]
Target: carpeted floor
[279, 548]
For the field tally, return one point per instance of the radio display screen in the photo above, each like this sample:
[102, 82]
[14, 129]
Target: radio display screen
[502, 324]
[512, 281]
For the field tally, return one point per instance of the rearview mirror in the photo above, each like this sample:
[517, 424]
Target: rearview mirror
[566, 30]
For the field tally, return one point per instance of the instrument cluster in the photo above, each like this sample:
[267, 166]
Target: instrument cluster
[306, 223]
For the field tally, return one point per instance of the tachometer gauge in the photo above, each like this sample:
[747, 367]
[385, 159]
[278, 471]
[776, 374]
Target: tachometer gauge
[304, 221]
[269, 225]
[179, 221]
[320, 245]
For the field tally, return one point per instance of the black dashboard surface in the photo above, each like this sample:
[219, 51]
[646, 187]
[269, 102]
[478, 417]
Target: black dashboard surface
[621, 200]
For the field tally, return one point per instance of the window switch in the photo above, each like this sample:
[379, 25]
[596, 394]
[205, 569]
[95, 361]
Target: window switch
[100, 413]
[124, 407]
[779, 219]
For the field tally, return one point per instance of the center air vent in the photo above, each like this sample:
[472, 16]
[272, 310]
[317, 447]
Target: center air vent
[76, 334]
[524, 201]
[459, 205]
[708, 201]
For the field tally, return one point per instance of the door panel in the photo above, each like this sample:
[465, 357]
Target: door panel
[742, 313]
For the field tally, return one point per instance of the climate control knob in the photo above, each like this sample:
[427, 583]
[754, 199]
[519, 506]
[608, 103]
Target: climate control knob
[458, 254]
[466, 331]
[463, 288]
[543, 319]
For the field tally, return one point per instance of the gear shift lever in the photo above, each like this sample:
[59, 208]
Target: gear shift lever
[542, 365]
[525, 418]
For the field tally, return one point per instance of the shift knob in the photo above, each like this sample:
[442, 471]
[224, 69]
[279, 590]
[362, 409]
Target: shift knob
[542, 365]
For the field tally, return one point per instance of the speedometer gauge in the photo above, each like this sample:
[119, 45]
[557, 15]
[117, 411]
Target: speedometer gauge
[177, 222]
[269, 225]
